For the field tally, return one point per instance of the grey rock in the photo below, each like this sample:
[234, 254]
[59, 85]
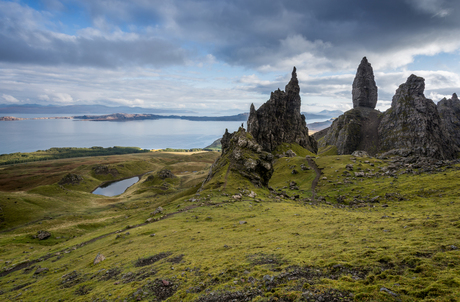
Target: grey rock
[42, 235]
[360, 153]
[279, 120]
[99, 258]
[73, 179]
[384, 289]
[449, 111]
[364, 88]
[165, 173]
[413, 123]
[290, 153]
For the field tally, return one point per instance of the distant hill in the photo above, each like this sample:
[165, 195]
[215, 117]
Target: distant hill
[130, 117]
[325, 114]
[82, 109]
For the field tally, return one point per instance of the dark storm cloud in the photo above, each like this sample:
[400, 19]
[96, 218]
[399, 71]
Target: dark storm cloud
[267, 35]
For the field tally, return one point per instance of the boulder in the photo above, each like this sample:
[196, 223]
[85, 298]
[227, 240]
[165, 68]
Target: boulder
[413, 123]
[73, 179]
[364, 88]
[42, 235]
[449, 111]
[279, 120]
[165, 173]
[99, 258]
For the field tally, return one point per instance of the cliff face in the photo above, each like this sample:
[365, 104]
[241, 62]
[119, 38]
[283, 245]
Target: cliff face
[242, 155]
[364, 89]
[413, 124]
[355, 130]
[279, 120]
[449, 111]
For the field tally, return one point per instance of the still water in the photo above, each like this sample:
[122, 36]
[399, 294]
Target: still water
[33, 135]
[117, 187]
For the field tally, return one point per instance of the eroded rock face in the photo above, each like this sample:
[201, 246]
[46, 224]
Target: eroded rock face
[364, 88]
[279, 120]
[413, 123]
[242, 154]
[449, 111]
[356, 129]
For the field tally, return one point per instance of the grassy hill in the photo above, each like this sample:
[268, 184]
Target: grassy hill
[376, 230]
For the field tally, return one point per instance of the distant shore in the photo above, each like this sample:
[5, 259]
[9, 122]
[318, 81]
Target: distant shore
[117, 117]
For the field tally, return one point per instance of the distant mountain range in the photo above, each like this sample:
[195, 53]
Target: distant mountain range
[83, 109]
[325, 114]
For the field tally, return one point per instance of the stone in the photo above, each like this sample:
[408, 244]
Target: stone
[243, 222]
[413, 123]
[279, 120]
[165, 173]
[42, 235]
[73, 179]
[364, 91]
[99, 258]
[252, 194]
[158, 210]
[41, 270]
[290, 153]
[449, 111]
[360, 153]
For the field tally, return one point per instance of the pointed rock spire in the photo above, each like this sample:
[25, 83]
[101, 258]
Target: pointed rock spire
[279, 120]
[364, 91]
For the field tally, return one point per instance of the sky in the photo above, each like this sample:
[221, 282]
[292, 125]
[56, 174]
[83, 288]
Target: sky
[216, 57]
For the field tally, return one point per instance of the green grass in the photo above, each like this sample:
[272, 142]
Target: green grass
[208, 241]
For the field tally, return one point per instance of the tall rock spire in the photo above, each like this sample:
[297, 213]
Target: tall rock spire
[279, 119]
[364, 89]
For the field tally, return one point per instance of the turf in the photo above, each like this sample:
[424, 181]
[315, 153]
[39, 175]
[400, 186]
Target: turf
[371, 238]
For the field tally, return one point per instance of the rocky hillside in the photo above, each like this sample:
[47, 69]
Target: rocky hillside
[242, 156]
[279, 120]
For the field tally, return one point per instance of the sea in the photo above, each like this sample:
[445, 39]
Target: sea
[33, 135]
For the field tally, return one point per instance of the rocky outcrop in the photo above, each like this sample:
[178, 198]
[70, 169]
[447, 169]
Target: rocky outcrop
[364, 88]
[279, 120]
[413, 124]
[242, 155]
[165, 173]
[356, 129]
[449, 111]
[73, 179]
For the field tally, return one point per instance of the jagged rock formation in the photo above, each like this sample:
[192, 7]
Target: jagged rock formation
[413, 124]
[449, 111]
[279, 120]
[356, 129]
[241, 154]
[364, 89]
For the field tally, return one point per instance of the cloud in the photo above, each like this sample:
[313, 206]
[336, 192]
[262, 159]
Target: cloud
[10, 99]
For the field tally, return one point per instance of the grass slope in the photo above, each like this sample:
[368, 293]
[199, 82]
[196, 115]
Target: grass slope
[209, 246]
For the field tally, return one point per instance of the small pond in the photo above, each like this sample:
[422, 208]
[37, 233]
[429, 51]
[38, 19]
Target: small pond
[117, 187]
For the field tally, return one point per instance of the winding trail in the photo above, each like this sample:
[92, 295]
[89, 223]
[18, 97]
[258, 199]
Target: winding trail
[314, 166]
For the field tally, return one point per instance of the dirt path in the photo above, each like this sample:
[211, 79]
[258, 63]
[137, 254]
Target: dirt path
[314, 166]
[226, 176]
